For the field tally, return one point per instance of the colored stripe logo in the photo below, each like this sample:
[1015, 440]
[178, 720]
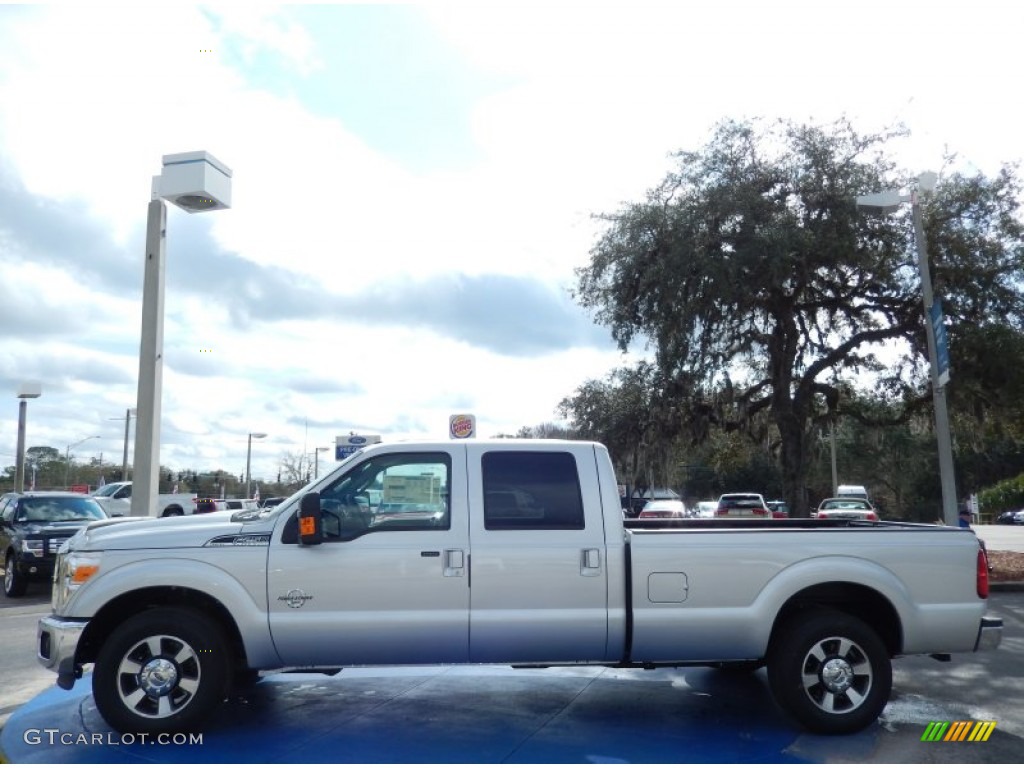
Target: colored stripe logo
[960, 730]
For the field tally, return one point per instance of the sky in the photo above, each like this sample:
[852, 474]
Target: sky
[413, 188]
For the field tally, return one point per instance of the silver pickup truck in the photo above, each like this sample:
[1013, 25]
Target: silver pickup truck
[501, 552]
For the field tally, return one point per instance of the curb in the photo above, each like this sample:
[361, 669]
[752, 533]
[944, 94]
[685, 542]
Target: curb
[1006, 586]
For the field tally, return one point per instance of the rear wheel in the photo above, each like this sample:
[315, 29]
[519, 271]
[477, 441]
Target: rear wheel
[162, 671]
[830, 671]
[172, 512]
[15, 582]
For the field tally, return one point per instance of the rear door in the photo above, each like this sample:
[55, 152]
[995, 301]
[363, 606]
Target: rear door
[539, 577]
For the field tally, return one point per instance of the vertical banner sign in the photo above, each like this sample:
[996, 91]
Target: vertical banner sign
[941, 341]
[461, 426]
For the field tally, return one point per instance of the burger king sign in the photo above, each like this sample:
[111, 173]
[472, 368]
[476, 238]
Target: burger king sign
[461, 426]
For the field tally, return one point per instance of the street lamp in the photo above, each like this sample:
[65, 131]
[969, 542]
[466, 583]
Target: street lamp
[248, 460]
[889, 201]
[316, 460]
[195, 182]
[67, 456]
[26, 391]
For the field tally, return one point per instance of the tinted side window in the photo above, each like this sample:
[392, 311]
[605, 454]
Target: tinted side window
[531, 490]
[6, 509]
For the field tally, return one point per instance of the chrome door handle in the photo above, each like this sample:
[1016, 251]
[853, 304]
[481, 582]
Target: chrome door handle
[590, 562]
[454, 562]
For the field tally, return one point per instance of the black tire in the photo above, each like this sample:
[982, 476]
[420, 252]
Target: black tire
[162, 671]
[15, 582]
[830, 671]
[172, 512]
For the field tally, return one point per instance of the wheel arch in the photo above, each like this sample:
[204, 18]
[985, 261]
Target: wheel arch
[865, 603]
[136, 601]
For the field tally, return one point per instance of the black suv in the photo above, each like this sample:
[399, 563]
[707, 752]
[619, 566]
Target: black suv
[33, 525]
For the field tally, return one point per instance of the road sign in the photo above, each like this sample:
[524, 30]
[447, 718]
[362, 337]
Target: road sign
[938, 322]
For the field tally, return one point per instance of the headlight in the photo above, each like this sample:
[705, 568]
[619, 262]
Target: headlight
[33, 546]
[73, 570]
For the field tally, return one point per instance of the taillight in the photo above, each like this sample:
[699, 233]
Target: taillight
[721, 511]
[982, 575]
[872, 516]
[760, 511]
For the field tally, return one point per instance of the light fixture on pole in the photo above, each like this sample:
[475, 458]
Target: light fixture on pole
[195, 182]
[26, 391]
[316, 461]
[248, 461]
[887, 202]
[67, 456]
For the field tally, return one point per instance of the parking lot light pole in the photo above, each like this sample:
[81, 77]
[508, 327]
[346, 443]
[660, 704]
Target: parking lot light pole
[316, 461]
[888, 202]
[195, 182]
[26, 391]
[127, 426]
[248, 462]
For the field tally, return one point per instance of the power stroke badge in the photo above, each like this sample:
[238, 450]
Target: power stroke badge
[295, 598]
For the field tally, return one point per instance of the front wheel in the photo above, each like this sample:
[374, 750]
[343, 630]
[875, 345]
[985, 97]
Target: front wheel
[15, 582]
[162, 671]
[830, 671]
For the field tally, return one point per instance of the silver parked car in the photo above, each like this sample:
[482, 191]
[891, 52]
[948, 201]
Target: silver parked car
[846, 508]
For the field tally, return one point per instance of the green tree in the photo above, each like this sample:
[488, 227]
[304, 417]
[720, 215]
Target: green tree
[625, 412]
[750, 271]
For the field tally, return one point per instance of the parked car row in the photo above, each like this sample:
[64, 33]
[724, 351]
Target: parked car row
[732, 505]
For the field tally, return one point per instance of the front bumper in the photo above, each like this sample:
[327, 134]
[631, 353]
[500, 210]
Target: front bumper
[35, 566]
[990, 634]
[56, 645]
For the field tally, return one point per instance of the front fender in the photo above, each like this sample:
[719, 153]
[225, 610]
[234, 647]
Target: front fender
[246, 604]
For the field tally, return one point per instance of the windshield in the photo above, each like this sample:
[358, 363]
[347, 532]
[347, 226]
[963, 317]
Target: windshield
[59, 510]
[107, 490]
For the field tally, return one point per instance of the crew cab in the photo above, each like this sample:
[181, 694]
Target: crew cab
[501, 552]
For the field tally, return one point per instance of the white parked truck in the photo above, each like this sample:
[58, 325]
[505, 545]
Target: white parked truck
[501, 552]
[116, 500]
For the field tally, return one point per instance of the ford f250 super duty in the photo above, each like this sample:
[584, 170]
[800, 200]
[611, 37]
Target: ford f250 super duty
[501, 552]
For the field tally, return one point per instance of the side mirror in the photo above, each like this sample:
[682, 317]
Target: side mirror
[311, 530]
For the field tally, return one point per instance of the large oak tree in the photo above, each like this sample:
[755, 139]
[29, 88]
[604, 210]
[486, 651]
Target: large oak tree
[749, 271]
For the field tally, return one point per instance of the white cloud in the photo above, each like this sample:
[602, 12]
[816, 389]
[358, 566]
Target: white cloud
[597, 97]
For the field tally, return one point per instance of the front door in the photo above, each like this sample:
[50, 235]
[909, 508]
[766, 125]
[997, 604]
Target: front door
[390, 584]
